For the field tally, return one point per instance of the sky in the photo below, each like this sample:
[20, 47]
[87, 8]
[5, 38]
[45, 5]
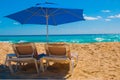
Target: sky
[101, 17]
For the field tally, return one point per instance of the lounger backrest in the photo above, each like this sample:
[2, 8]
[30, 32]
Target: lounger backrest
[25, 50]
[56, 50]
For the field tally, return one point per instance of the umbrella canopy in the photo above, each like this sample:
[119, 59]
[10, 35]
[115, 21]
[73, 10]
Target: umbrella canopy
[47, 16]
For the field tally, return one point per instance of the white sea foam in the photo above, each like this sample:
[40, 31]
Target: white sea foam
[22, 41]
[99, 39]
[6, 41]
[61, 40]
[74, 41]
[116, 41]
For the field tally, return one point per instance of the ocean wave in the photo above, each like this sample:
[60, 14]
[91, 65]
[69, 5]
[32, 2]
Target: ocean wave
[6, 41]
[116, 40]
[22, 41]
[99, 39]
[14, 41]
[75, 41]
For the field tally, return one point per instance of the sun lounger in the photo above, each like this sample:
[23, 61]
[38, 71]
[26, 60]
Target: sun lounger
[25, 52]
[60, 53]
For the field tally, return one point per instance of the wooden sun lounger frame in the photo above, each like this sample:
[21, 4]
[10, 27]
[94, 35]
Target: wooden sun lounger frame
[21, 58]
[58, 56]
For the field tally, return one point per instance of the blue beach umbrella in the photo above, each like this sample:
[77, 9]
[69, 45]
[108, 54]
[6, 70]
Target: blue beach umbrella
[47, 15]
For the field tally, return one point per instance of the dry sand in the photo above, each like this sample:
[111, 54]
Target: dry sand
[97, 61]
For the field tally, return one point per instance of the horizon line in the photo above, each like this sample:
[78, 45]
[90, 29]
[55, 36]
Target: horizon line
[59, 34]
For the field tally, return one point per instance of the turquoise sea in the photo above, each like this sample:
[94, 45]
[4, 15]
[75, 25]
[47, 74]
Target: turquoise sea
[75, 38]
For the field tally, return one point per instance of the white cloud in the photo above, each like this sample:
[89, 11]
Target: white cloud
[111, 16]
[16, 23]
[99, 17]
[107, 19]
[92, 18]
[105, 11]
[114, 16]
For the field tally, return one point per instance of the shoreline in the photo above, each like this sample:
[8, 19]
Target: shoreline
[97, 61]
[10, 42]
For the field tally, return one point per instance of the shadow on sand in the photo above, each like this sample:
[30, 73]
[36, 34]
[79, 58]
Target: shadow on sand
[55, 71]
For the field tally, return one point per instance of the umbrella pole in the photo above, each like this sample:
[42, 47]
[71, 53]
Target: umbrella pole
[47, 28]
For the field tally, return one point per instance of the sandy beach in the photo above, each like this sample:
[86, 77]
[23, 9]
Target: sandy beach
[97, 61]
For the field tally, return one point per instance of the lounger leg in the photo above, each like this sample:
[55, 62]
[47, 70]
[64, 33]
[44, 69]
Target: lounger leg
[5, 61]
[36, 66]
[17, 66]
[10, 67]
[41, 65]
[71, 66]
[7, 57]
[47, 64]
